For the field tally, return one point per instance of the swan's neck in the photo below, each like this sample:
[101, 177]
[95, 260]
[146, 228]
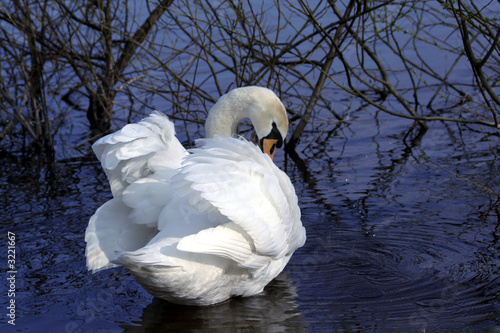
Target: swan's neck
[222, 123]
[225, 116]
[260, 105]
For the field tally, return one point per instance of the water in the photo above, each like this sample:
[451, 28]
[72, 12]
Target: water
[395, 243]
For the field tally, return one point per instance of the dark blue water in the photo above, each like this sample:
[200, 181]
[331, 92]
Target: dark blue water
[395, 242]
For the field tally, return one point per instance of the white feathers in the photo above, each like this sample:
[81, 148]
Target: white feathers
[197, 227]
[129, 154]
[227, 241]
[235, 177]
[109, 229]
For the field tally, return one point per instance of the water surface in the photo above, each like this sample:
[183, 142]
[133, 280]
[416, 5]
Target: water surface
[395, 243]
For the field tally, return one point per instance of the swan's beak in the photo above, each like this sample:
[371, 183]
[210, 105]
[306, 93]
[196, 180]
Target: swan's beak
[269, 147]
[270, 142]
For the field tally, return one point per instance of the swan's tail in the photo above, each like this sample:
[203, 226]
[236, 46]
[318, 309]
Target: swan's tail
[110, 230]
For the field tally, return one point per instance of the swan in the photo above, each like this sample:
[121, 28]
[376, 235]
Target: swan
[201, 226]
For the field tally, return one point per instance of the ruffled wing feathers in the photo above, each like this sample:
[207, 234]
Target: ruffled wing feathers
[139, 160]
[132, 152]
[238, 204]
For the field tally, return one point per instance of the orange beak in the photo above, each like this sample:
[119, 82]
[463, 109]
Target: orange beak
[269, 147]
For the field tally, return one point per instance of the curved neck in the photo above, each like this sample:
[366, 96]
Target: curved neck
[225, 115]
[222, 122]
[260, 105]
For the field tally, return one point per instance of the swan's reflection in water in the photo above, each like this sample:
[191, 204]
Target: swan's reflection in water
[274, 310]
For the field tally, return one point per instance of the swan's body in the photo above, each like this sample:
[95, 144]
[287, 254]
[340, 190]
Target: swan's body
[198, 228]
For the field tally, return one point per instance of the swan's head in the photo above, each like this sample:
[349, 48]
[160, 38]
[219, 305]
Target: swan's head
[261, 106]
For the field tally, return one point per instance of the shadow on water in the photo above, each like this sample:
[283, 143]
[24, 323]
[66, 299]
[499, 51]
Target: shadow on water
[274, 310]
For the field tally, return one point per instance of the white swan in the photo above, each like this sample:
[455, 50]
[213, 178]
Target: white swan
[198, 228]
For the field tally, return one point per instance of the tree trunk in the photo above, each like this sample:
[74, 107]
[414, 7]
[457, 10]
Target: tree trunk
[99, 113]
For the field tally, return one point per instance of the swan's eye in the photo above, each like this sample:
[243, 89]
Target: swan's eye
[273, 148]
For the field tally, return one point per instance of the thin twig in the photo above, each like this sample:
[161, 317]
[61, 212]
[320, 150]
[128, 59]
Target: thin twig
[487, 189]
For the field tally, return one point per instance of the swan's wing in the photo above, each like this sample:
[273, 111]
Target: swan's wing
[228, 241]
[139, 160]
[138, 150]
[246, 187]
